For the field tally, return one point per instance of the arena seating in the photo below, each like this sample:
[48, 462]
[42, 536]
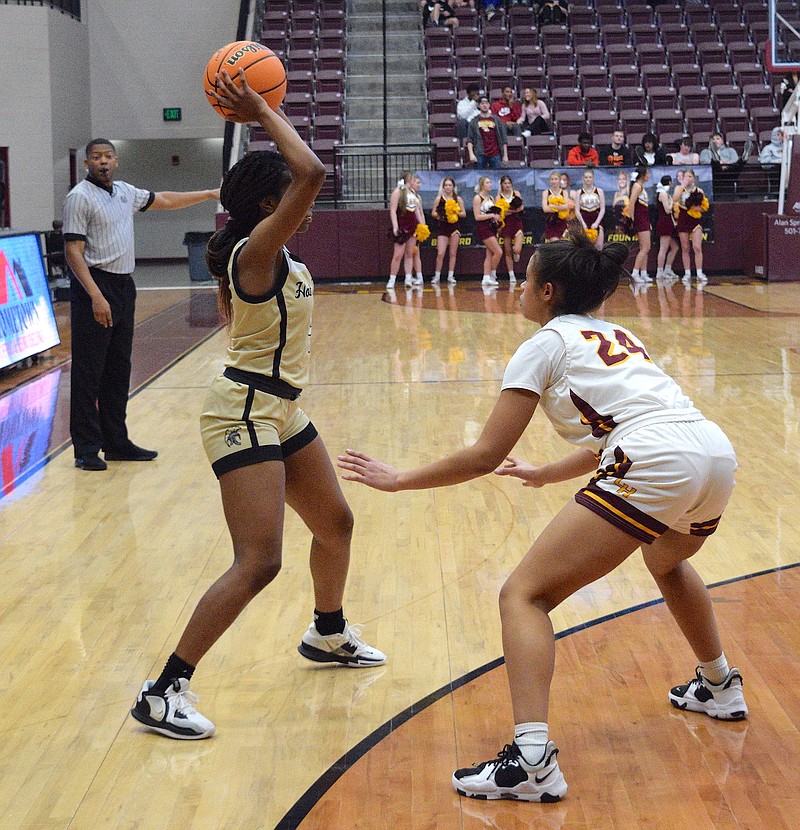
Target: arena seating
[673, 69]
[309, 36]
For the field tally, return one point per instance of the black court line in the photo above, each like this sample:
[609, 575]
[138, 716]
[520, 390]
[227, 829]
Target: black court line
[303, 806]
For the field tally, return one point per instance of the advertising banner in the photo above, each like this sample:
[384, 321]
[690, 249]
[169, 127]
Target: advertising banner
[27, 322]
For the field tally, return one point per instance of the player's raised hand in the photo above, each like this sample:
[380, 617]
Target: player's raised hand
[531, 476]
[366, 470]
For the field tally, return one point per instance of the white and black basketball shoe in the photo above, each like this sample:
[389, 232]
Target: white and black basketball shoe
[172, 712]
[510, 776]
[723, 701]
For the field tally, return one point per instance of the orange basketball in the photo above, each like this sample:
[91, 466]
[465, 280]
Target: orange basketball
[262, 67]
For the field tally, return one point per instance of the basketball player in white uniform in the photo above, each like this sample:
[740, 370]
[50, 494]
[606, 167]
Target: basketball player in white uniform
[662, 477]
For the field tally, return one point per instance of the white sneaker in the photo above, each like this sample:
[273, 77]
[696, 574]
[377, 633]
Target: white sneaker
[172, 713]
[701, 277]
[391, 282]
[489, 281]
[451, 280]
[637, 277]
[723, 701]
[346, 648]
[418, 280]
[510, 776]
[434, 280]
[512, 278]
[408, 281]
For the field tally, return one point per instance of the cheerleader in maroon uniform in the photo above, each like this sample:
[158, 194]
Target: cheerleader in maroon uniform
[405, 211]
[487, 221]
[448, 210]
[591, 204]
[513, 234]
[557, 205]
[689, 205]
[665, 230]
[638, 211]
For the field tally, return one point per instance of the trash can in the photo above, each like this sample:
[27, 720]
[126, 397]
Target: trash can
[196, 243]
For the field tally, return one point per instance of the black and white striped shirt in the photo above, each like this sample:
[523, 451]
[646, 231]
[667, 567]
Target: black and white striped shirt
[104, 220]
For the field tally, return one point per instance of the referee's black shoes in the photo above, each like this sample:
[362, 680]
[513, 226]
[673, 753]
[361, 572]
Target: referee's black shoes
[130, 453]
[90, 461]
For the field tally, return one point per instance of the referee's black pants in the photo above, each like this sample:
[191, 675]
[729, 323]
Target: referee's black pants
[101, 365]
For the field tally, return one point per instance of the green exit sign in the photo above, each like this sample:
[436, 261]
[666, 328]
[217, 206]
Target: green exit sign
[172, 113]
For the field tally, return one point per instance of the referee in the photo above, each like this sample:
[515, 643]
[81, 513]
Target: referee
[98, 236]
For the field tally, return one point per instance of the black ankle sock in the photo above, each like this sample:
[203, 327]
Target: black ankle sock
[332, 622]
[175, 667]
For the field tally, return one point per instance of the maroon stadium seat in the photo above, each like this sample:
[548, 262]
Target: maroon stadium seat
[330, 81]
[694, 96]
[726, 95]
[668, 120]
[298, 103]
[439, 57]
[701, 121]
[662, 97]
[329, 103]
[441, 100]
[543, 148]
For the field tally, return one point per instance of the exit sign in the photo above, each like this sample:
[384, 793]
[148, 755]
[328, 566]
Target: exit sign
[172, 113]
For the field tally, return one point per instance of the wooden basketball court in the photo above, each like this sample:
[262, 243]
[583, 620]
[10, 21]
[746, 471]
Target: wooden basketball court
[102, 570]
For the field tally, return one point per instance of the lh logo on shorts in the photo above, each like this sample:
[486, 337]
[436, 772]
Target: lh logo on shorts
[232, 437]
[623, 489]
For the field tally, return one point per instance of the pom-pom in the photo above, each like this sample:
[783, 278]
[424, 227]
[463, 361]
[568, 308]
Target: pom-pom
[503, 204]
[422, 233]
[451, 211]
[698, 209]
[591, 234]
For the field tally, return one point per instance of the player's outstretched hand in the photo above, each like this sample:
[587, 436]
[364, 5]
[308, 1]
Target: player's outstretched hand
[531, 476]
[245, 102]
[368, 471]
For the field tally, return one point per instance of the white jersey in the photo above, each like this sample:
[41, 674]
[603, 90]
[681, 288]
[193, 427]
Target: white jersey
[595, 381]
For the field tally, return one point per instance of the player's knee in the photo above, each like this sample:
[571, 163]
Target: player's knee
[261, 574]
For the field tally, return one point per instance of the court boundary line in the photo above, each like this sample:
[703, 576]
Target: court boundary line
[303, 806]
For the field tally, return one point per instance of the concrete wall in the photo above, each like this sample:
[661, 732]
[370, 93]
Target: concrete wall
[111, 75]
[45, 110]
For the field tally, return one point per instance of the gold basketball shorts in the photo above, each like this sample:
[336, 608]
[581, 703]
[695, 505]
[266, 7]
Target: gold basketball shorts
[242, 425]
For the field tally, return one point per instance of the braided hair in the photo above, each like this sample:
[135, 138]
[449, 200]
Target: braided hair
[253, 178]
[583, 276]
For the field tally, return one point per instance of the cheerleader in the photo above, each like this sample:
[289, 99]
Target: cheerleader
[638, 211]
[591, 205]
[487, 222]
[510, 201]
[689, 204]
[557, 205]
[665, 230]
[405, 211]
[448, 210]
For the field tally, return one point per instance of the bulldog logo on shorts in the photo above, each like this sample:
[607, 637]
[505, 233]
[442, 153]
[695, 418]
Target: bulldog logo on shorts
[232, 437]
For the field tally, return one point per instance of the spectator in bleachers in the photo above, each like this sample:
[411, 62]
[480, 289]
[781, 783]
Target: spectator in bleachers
[583, 154]
[490, 7]
[440, 12]
[668, 246]
[553, 12]
[590, 204]
[486, 137]
[534, 114]
[650, 151]
[771, 158]
[685, 153]
[788, 83]
[616, 154]
[772, 153]
[725, 164]
[467, 109]
[508, 109]
[448, 210]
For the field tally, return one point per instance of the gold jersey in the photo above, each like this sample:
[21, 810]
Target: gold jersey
[271, 333]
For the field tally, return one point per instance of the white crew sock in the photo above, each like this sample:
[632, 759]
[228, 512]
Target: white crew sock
[716, 670]
[531, 739]
[436, 276]
[451, 276]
